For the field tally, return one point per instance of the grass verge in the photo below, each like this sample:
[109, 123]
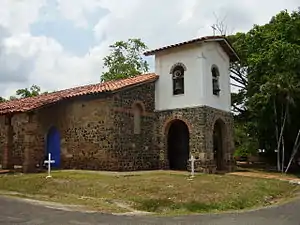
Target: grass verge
[160, 192]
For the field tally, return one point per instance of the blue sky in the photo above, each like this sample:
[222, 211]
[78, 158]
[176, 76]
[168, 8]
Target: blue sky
[76, 40]
[61, 43]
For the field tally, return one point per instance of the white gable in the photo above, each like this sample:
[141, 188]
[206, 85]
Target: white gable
[198, 59]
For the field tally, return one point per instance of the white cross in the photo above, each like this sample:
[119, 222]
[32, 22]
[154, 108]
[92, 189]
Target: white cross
[192, 160]
[49, 161]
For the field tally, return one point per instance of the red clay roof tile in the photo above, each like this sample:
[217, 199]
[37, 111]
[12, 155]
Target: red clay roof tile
[27, 104]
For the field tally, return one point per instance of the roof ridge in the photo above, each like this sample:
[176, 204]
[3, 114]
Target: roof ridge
[30, 103]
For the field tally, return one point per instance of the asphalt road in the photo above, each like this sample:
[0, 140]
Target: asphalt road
[15, 211]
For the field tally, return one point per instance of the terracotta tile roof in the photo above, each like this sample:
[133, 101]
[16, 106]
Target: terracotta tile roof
[27, 104]
[222, 40]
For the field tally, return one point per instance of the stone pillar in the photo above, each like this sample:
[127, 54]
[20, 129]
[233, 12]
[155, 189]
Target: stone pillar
[8, 149]
[29, 164]
[163, 159]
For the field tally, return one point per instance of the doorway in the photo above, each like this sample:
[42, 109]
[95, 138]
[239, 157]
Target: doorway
[178, 145]
[53, 146]
[218, 144]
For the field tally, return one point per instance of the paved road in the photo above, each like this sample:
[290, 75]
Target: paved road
[13, 212]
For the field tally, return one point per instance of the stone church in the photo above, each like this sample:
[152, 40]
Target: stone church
[148, 122]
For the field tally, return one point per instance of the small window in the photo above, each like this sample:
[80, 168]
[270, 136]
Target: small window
[215, 80]
[137, 114]
[178, 80]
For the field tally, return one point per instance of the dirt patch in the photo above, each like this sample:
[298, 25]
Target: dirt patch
[281, 177]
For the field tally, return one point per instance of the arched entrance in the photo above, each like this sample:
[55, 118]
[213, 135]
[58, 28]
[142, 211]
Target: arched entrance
[53, 146]
[218, 144]
[178, 145]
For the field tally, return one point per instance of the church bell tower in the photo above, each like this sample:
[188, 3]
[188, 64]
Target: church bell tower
[193, 102]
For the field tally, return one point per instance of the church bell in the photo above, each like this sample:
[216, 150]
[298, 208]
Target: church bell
[177, 86]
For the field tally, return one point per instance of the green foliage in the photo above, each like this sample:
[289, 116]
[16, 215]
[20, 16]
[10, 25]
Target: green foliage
[246, 144]
[269, 76]
[12, 98]
[34, 90]
[2, 99]
[125, 60]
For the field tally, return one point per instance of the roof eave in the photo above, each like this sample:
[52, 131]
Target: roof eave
[135, 85]
[233, 58]
[102, 92]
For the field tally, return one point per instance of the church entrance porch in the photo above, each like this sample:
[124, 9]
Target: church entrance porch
[218, 144]
[178, 145]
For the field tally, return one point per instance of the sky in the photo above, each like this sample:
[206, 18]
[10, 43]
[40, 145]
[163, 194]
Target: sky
[58, 44]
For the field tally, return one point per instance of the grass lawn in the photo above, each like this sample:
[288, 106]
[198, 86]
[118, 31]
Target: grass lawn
[161, 192]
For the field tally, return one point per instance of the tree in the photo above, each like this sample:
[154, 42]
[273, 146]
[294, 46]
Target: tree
[12, 98]
[269, 99]
[2, 99]
[34, 90]
[125, 60]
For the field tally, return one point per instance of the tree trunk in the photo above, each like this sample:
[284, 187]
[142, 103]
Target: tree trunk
[295, 149]
[280, 136]
[283, 152]
[276, 133]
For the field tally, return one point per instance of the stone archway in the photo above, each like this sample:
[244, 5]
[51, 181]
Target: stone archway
[219, 136]
[178, 145]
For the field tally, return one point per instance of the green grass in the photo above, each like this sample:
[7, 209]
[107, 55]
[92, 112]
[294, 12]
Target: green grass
[159, 192]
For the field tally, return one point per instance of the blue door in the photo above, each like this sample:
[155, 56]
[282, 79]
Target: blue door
[53, 146]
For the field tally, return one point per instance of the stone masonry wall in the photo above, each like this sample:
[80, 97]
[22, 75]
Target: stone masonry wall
[18, 121]
[135, 151]
[96, 132]
[86, 130]
[2, 138]
[200, 121]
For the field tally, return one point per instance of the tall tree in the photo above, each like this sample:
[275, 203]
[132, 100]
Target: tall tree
[125, 60]
[269, 93]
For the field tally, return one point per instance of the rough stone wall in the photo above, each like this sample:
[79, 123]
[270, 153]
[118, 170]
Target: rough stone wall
[85, 127]
[2, 139]
[96, 132]
[200, 121]
[86, 131]
[135, 151]
[17, 122]
[212, 115]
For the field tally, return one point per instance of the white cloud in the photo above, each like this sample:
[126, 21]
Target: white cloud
[26, 59]
[17, 15]
[77, 11]
[52, 68]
